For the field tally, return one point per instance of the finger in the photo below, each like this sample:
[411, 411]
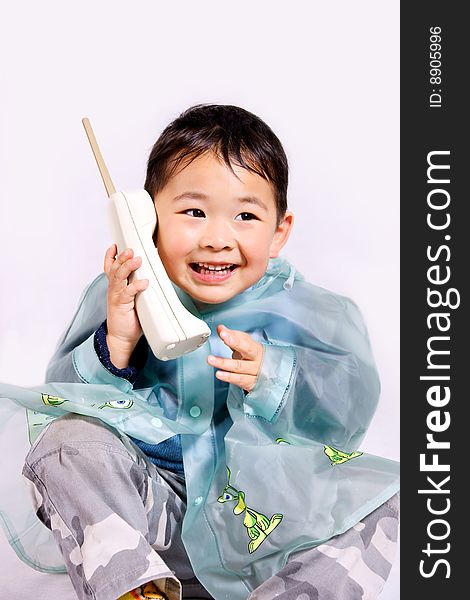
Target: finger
[120, 272]
[121, 257]
[234, 365]
[241, 342]
[109, 258]
[113, 261]
[123, 272]
[246, 382]
[131, 290]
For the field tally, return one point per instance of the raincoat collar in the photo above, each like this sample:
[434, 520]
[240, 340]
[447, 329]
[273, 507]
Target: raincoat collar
[279, 272]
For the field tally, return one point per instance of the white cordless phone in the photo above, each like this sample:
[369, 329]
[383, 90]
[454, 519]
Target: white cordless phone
[171, 330]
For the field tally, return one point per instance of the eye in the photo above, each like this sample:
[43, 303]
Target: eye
[118, 403]
[246, 216]
[227, 496]
[197, 212]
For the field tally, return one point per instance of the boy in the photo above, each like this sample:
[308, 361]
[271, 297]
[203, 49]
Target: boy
[261, 493]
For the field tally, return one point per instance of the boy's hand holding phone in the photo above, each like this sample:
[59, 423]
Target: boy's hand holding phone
[243, 368]
[124, 330]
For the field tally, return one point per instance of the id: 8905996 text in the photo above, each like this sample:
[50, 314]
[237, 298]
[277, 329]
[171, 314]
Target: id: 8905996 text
[435, 71]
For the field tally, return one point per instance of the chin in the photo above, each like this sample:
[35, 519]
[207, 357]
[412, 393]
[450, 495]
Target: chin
[212, 300]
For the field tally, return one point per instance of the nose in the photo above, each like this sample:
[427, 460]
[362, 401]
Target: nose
[217, 235]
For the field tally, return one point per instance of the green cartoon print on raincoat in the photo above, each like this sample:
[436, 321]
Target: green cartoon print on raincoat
[338, 457]
[258, 526]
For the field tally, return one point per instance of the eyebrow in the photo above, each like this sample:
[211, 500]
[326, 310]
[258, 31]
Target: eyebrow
[200, 196]
[254, 200]
[190, 195]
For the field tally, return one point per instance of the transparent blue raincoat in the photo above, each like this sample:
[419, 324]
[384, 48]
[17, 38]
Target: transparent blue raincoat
[267, 473]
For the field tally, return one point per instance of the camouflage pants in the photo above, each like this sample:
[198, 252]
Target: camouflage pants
[126, 528]
[351, 566]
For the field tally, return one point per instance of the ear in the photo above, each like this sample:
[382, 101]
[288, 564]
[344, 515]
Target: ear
[281, 234]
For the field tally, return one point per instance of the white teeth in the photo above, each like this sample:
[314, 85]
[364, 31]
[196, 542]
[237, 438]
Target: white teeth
[213, 267]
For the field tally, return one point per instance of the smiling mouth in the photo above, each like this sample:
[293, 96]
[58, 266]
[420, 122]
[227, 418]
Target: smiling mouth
[216, 270]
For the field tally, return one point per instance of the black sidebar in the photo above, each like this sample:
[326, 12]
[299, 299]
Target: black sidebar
[435, 355]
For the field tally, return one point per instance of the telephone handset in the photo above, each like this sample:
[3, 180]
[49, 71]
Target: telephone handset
[171, 330]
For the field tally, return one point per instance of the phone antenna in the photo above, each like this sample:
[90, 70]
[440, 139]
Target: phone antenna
[108, 184]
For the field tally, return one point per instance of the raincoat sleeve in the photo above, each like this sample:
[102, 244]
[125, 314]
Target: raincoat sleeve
[75, 359]
[275, 378]
[319, 382]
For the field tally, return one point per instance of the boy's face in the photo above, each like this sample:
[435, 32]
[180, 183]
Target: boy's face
[216, 231]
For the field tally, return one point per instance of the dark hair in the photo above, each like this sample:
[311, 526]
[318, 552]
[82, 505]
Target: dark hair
[236, 135]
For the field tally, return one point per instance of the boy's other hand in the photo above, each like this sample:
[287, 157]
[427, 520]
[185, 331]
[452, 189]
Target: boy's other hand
[124, 330]
[243, 368]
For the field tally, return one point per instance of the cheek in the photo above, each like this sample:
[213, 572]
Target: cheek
[257, 257]
[257, 247]
[174, 240]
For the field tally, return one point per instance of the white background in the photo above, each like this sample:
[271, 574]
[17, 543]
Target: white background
[324, 76]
